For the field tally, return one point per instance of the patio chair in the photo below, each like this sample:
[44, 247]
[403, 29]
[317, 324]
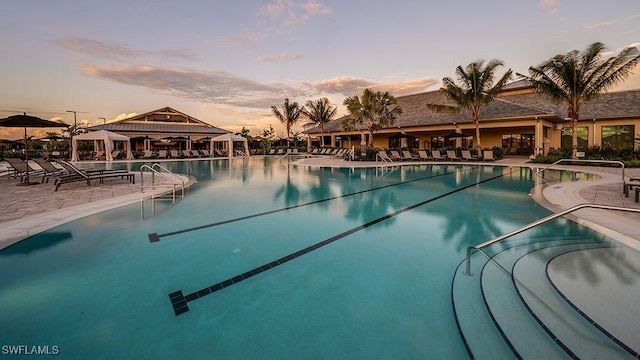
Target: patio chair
[487, 155]
[75, 174]
[424, 156]
[21, 168]
[452, 156]
[99, 155]
[395, 155]
[466, 155]
[147, 154]
[437, 156]
[49, 169]
[408, 156]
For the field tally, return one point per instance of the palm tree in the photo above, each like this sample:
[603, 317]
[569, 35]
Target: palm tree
[476, 89]
[319, 113]
[289, 115]
[576, 78]
[374, 110]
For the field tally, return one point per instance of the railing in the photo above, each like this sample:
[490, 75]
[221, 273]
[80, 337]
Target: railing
[384, 160]
[240, 153]
[478, 247]
[587, 161]
[158, 171]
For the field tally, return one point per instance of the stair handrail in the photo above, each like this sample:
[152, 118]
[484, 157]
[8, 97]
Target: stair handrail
[481, 246]
[587, 161]
[163, 172]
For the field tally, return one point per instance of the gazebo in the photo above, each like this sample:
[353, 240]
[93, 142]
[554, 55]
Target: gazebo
[107, 138]
[229, 139]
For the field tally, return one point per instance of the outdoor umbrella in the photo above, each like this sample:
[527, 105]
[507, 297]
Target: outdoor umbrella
[26, 121]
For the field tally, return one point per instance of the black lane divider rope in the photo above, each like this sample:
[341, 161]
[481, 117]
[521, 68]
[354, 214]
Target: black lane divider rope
[179, 300]
[153, 237]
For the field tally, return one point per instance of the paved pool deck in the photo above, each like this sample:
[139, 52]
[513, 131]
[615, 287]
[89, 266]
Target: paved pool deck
[28, 210]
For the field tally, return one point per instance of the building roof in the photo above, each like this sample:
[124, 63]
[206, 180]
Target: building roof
[509, 106]
[164, 120]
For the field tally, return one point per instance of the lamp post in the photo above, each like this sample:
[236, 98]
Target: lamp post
[104, 120]
[75, 128]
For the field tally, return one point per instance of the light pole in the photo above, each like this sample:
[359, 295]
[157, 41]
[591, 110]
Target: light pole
[104, 120]
[75, 129]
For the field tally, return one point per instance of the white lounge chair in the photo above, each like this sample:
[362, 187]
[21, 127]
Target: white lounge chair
[487, 155]
[436, 155]
[424, 156]
[466, 155]
[452, 156]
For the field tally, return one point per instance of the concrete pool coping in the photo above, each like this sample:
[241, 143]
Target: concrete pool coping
[29, 210]
[21, 218]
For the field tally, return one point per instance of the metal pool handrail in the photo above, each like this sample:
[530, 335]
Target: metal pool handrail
[470, 249]
[157, 169]
[588, 161]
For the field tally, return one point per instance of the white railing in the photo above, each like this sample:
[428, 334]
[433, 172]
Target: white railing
[162, 177]
[472, 249]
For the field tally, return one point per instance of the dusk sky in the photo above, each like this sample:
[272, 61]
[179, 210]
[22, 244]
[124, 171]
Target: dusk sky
[227, 62]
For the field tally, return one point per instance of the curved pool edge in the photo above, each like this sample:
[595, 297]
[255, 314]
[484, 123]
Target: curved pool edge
[17, 230]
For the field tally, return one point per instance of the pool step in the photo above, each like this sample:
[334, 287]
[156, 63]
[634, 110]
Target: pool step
[583, 340]
[492, 318]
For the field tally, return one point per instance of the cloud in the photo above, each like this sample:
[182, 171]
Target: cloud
[349, 86]
[216, 87]
[118, 51]
[125, 116]
[290, 13]
[279, 57]
[278, 17]
[550, 5]
[601, 25]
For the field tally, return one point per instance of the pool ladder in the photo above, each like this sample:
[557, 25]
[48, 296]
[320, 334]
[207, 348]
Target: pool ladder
[161, 177]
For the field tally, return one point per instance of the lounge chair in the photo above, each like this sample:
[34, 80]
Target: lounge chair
[49, 169]
[147, 154]
[452, 156]
[424, 156]
[466, 155]
[195, 154]
[206, 153]
[115, 154]
[22, 168]
[436, 155]
[75, 174]
[487, 155]
[99, 155]
[395, 155]
[408, 156]
[162, 154]
[186, 153]
[174, 154]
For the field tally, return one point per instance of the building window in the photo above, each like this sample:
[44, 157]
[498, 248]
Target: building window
[618, 137]
[583, 138]
[437, 142]
[518, 144]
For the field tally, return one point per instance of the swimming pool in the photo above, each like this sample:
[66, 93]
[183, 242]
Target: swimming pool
[302, 262]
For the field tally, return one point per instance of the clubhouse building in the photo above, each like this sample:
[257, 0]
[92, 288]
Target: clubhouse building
[519, 120]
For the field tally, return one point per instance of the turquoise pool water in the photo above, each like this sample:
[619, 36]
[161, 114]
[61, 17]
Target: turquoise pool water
[375, 285]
